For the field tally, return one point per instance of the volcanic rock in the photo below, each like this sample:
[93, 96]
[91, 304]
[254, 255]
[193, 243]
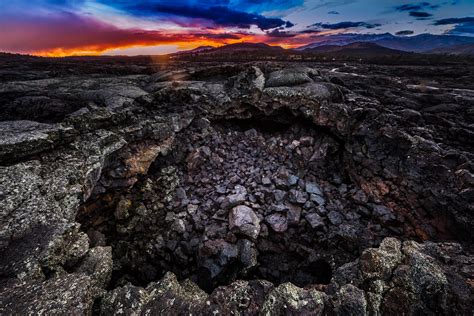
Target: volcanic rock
[243, 220]
[120, 180]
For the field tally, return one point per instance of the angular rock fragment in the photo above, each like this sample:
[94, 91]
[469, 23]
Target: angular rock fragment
[278, 222]
[314, 220]
[243, 220]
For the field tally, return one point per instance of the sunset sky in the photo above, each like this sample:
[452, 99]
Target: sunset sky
[133, 27]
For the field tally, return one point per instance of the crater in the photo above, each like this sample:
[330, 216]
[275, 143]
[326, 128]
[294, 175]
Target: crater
[259, 198]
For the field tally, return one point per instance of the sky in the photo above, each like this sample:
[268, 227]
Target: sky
[139, 27]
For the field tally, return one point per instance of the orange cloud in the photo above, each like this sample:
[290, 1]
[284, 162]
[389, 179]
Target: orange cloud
[68, 34]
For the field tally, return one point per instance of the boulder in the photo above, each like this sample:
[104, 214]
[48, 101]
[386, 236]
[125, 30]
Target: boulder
[244, 221]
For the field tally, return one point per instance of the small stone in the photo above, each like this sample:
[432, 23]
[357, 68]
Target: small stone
[216, 255]
[247, 253]
[266, 181]
[278, 222]
[295, 144]
[205, 150]
[335, 218]
[233, 200]
[293, 214]
[322, 210]
[281, 183]
[360, 197]
[307, 141]
[192, 208]
[383, 213]
[313, 188]
[279, 195]
[178, 226]
[181, 194]
[292, 180]
[122, 209]
[298, 197]
[318, 199]
[221, 189]
[251, 133]
[314, 220]
[239, 189]
[170, 216]
[279, 208]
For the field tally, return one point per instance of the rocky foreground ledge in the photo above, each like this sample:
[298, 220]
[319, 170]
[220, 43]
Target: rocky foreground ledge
[254, 189]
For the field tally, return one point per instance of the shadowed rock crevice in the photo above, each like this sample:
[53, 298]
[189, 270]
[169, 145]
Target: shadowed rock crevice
[178, 216]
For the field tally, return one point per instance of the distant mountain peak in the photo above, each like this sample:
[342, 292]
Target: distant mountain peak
[419, 43]
[195, 50]
[246, 45]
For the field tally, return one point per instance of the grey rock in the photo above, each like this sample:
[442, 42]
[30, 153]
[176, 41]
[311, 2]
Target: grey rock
[383, 213]
[318, 199]
[293, 215]
[292, 180]
[160, 298]
[288, 77]
[25, 138]
[350, 300]
[243, 220]
[60, 295]
[288, 299]
[279, 195]
[380, 262]
[266, 181]
[335, 218]
[247, 253]
[278, 222]
[313, 188]
[315, 220]
[233, 200]
[297, 197]
[98, 265]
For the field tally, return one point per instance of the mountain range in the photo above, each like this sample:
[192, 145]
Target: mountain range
[357, 45]
[357, 49]
[423, 43]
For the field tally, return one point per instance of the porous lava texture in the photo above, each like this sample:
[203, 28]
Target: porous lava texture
[265, 188]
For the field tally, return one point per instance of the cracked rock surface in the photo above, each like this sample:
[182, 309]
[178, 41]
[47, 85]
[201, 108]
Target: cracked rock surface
[254, 189]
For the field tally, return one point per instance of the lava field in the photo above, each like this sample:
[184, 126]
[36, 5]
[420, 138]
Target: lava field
[264, 188]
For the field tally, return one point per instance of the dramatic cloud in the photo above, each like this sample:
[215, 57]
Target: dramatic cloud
[461, 26]
[311, 31]
[454, 21]
[330, 3]
[218, 15]
[408, 7]
[418, 14]
[344, 25]
[280, 34]
[404, 33]
[62, 27]
[416, 7]
[69, 33]
[417, 10]
[217, 36]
